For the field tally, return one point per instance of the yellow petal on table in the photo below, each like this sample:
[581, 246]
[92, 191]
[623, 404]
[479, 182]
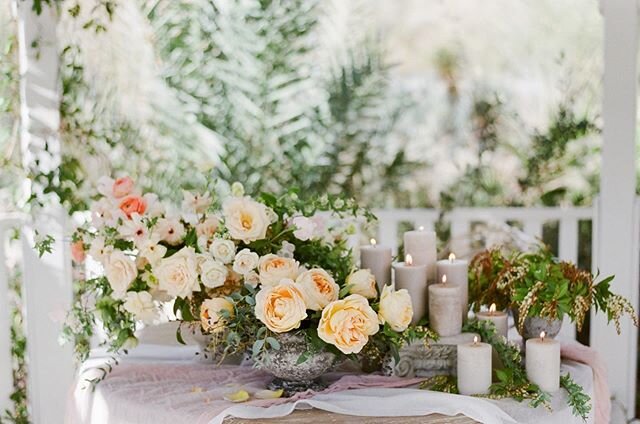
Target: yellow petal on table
[239, 396]
[268, 394]
[196, 389]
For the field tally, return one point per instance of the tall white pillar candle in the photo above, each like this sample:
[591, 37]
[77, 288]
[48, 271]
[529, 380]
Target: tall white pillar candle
[543, 363]
[498, 318]
[445, 317]
[421, 245]
[457, 272]
[413, 277]
[474, 368]
[377, 259]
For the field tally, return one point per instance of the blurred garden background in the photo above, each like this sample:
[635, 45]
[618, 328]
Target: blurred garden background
[397, 104]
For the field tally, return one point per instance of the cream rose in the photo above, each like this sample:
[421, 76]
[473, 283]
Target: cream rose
[246, 219]
[348, 323]
[281, 307]
[223, 250]
[120, 271]
[362, 282]
[208, 227]
[252, 278]
[273, 269]
[140, 304]
[213, 274]
[395, 308]
[211, 317]
[318, 288]
[178, 274]
[245, 261]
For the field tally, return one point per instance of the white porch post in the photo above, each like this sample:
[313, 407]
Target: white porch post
[47, 280]
[617, 230]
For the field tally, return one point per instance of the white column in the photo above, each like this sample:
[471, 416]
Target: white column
[47, 280]
[617, 231]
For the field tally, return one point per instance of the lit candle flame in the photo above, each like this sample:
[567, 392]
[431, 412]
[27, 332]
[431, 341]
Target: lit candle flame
[475, 340]
[408, 260]
[373, 242]
[542, 335]
[444, 279]
[452, 257]
[492, 309]
[421, 228]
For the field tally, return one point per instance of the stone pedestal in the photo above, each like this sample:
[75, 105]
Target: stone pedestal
[418, 360]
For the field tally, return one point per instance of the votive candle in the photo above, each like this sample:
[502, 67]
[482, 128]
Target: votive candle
[543, 362]
[498, 318]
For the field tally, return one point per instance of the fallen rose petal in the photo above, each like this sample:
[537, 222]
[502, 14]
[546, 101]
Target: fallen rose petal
[269, 394]
[239, 396]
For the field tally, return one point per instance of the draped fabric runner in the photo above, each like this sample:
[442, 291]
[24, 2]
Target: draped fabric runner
[163, 384]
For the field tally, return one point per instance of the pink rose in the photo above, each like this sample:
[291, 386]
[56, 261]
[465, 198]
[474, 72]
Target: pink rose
[133, 204]
[77, 251]
[122, 187]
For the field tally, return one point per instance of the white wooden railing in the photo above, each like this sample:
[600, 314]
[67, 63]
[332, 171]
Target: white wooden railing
[47, 285]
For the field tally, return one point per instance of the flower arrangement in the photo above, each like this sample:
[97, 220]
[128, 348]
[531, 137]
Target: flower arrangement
[243, 270]
[536, 284]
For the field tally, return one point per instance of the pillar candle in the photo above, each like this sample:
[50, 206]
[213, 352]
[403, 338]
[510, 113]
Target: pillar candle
[445, 317]
[377, 259]
[498, 318]
[421, 245]
[543, 363]
[457, 272]
[474, 368]
[413, 277]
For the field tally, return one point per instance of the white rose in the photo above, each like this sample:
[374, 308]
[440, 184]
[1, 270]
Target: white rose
[273, 269]
[223, 250]
[170, 230]
[178, 274]
[120, 271]
[395, 308]
[305, 228]
[141, 305]
[318, 288]
[208, 227]
[213, 274]
[246, 219]
[245, 261]
[252, 278]
[362, 282]
[211, 317]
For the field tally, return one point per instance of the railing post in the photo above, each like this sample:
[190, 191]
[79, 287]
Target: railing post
[47, 280]
[617, 227]
[6, 380]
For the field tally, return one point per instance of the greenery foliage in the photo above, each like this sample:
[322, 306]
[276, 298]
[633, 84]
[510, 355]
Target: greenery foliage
[537, 284]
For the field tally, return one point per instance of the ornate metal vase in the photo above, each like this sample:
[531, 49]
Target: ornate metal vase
[290, 374]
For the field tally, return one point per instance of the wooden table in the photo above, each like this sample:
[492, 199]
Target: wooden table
[316, 416]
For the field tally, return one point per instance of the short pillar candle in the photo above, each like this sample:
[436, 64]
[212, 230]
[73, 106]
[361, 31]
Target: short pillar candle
[421, 245]
[498, 318]
[377, 259]
[457, 272]
[444, 308]
[413, 277]
[543, 362]
[474, 368]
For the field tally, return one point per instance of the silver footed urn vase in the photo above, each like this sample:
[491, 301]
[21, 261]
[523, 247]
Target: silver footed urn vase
[296, 369]
[533, 326]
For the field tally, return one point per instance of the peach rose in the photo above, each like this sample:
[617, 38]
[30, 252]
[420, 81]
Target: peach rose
[122, 187]
[395, 308]
[348, 323]
[281, 307]
[133, 204]
[318, 288]
[273, 269]
[77, 251]
[211, 317]
[246, 219]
